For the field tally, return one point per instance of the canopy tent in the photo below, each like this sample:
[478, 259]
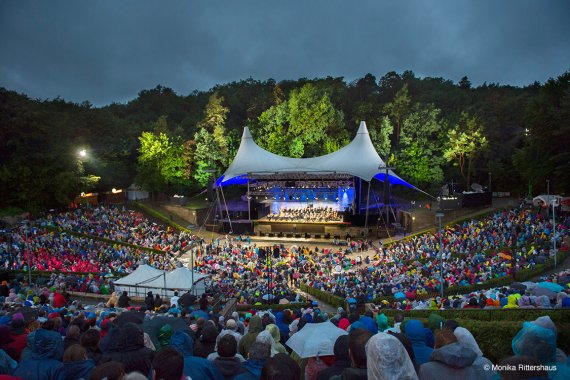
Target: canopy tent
[148, 279]
[359, 158]
[141, 274]
[546, 200]
[180, 279]
[131, 283]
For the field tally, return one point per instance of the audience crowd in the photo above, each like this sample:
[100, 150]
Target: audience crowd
[64, 339]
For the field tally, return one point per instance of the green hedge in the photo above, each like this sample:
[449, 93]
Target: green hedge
[323, 296]
[274, 307]
[494, 330]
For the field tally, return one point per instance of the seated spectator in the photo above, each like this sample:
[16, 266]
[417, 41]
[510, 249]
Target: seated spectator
[110, 371]
[19, 334]
[206, 342]
[539, 343]
[168, 364]
[414, 330]
[280, 367]
[258, 354]
[90, 341]
[254, 328]
[227, 362]
[194, 367]
[124, 300]
[357, 339]
[276, 334]
[71, 336]
[126, 345]
[76, 364]
[547, 323]
[342, 359]
[387, 359]
[453, 360]
[45, 361]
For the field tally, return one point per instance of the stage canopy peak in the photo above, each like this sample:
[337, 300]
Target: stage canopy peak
[359, 158]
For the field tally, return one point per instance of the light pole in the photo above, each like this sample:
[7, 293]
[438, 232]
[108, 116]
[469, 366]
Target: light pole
[547, 196]
[439, 214]
[26, 225]
[554, 204]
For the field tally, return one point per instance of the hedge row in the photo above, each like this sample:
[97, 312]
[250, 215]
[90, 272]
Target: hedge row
[487, 315]
[273, 307]
[495, 334]
[323, 296]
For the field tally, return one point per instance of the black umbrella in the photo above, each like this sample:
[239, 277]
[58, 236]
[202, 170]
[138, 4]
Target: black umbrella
[518, 285]
[130, 316]
[540, 259]
[187, 299]
[153, 326]
[29, 313]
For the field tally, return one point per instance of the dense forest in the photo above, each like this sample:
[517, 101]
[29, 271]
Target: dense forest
[431, 129]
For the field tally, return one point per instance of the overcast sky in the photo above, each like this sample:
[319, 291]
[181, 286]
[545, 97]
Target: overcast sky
[108, 50]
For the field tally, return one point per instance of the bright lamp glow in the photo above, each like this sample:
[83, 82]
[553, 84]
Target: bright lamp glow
[82, 153]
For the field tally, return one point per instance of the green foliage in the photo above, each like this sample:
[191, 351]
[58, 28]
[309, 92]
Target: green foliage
[160, 162]
[397, 110]
[466, 139]
[323, 296]
[494, 330]
[273, 307]
[39, 164]
[306, 125]
[421, 142]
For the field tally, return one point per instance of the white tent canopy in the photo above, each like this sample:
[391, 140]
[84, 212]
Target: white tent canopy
[358, 158]
[148, 279]
[141, 274]
[547, 200]
[179, 279]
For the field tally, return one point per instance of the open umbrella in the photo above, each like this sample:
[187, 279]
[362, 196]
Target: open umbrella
[519, 286]
[539, 291]
[315, 339]
[187, 299]
[28, 312]
[200, 314]
[268, 297]
[399, 295]
[551, 286]
[153, 326]
[129, 316]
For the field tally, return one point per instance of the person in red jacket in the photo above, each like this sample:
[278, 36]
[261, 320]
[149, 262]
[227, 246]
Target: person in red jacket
[58, 300]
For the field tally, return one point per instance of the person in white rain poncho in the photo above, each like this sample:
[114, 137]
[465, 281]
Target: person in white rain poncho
[387, 359]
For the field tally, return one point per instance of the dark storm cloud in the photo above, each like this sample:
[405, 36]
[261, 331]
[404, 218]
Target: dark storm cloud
[105, 51]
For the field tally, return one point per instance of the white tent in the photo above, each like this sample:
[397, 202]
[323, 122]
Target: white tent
[134, 282]
[136, 193]
[546, 200]
[358, 158]
[179, 279]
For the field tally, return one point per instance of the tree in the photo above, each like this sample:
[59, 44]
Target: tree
[465, 140]
[306, 125]
[421, 142]
[464, 83]
[160, 162]
[206, 157]
[380, 135]
[214, 123]
[397, 110]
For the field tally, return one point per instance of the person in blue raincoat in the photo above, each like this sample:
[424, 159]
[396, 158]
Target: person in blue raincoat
[45, 361]
[196, 367]
[414, 330]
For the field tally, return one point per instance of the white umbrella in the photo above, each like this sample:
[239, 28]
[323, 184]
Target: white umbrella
[315, 339]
